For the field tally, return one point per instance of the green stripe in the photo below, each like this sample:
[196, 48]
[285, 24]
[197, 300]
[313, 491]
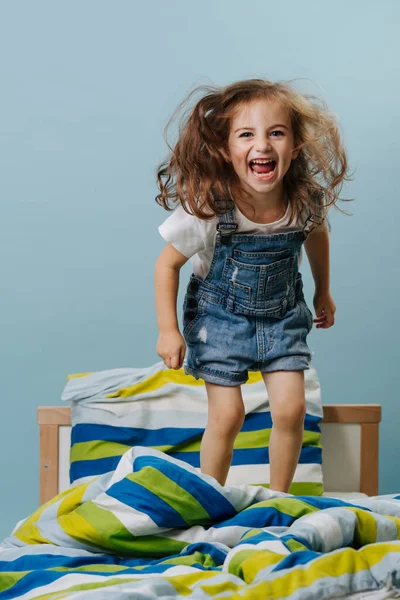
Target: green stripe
[236, 563]
[292, 507]
[197, 557]
[9, 579]
[93, 568]
[245, 440]
[190, 509]
[251, 533]
[305, 488]
[301, 488]
[294, 545]
[96, 449]
[116, 537]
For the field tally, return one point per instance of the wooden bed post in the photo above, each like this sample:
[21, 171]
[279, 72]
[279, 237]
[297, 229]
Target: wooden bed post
[369, 466]
[48, 462]
[369, 417]
[50, 419]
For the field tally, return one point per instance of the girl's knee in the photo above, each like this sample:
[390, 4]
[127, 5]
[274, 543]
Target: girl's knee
[290, 415]
[227, 422]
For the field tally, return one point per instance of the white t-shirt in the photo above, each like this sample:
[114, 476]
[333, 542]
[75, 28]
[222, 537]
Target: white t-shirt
[195, 238]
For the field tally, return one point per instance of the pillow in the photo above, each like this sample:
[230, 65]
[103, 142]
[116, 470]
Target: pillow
[165, 409]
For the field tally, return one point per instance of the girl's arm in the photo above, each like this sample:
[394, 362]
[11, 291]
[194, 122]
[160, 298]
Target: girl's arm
[171, 345]
[317, 249]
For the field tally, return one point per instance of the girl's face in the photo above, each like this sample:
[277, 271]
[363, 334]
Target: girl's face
[261, 146]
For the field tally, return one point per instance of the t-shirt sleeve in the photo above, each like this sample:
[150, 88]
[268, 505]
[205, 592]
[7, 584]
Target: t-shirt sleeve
[313, 217]
[183, 232]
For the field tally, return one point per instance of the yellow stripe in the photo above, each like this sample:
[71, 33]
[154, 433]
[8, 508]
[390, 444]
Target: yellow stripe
[78, 528]
[259, 559]
[222, 587]
[73, 499]
[334, 564]
[158, 380]
[75, 375]
[366, 528]
[397, 521]
[29, 531]
[183, 584]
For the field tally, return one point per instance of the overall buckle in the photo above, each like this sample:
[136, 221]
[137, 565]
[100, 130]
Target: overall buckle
[225, 230]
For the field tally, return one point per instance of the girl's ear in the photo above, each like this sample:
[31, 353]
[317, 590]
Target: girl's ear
[295, 154]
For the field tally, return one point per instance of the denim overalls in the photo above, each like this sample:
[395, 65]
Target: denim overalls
[249, 313]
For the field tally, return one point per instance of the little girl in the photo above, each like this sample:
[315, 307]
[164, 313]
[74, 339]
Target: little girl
[255, 168]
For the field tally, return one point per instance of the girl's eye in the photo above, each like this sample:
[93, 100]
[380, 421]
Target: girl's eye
[246, 133]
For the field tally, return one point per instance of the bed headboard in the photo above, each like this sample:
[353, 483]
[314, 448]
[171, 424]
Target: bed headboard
[350, 440]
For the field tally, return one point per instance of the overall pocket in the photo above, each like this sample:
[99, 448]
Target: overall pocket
[308, 314]
[192, 311]
[262, 257]
[259, 289]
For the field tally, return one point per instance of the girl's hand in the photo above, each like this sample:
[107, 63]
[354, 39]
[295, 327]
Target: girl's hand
[325, 309]
[171, 347]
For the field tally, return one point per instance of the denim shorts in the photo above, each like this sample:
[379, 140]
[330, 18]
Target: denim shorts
[222, 346]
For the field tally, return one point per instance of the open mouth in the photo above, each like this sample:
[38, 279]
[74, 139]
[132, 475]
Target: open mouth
[263, 169]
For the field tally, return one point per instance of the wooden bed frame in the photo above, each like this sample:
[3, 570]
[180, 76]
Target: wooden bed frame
[366, 416]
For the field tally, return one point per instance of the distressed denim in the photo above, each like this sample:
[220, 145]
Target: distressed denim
[249, 313]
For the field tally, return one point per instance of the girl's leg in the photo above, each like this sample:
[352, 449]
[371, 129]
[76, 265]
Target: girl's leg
[225, 419]
[288, 407]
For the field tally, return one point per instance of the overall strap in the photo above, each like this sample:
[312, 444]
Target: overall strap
[226, 222]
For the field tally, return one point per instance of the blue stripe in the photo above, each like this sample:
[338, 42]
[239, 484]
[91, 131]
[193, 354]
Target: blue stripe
[30, 582]
[35, 562]
[133, 436]
[260, 537]
[322, 502]
[301, 557]
[42, 577]
[252, 456]
[139, 436]
[258, 517]
[216, 505]
[86, 468]
[263, 420]
[216, 554]
[296, 538]
[246, 456]
[138, 497]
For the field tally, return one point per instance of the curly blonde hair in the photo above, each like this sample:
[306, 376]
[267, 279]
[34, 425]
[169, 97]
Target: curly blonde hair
[198, 173]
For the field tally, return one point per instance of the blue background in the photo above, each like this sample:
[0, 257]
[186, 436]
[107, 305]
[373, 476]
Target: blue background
[87, 88]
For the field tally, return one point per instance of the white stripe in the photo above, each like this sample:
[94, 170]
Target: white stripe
[74, 579]
[66, 581]
[327, 527]
[136, 522]
[308, 472]
[229, 536]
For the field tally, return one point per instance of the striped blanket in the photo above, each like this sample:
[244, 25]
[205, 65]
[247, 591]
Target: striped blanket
[156, 527]
[160, 408]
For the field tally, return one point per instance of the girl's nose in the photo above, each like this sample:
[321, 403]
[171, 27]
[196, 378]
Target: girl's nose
[263, 144]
